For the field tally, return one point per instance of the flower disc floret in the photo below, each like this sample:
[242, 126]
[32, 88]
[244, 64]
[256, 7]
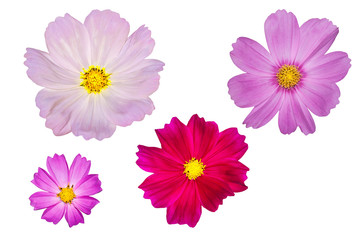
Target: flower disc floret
[194, 168]
[288, 76]
[95, 79]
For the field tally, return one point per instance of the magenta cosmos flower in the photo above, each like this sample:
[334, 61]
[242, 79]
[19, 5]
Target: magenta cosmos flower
[66, 192]
[196, 166]
[294, 77]
[94, 77]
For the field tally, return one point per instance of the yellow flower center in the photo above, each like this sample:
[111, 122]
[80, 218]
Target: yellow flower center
[66, 194]
[95, 79]
[288, 76]
[194, 168]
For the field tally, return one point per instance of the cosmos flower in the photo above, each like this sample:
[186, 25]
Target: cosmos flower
[94, 77]
[295, 77]
[66, 192]
[196, 166]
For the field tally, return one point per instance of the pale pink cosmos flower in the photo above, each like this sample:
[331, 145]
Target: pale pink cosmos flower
[94, 77]
[66, 191]
[296, 75]
[197, 166]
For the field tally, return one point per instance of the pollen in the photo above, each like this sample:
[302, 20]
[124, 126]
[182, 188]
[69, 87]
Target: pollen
[288, 76]
[194, 168]
[95, 79]
[66, 194]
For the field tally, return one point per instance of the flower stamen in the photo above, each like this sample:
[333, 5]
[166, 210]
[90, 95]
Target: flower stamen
[66, 194]
[95, 79]
[288, 76]
[194, 168]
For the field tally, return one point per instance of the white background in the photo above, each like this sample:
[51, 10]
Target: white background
[300, 187]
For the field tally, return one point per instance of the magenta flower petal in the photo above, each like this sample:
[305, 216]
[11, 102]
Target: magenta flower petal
[317, 36]
[44, 76]
[85, 204]
[66, 192]
[54, 213]
[187, 209]
[205, 136]
[108, 30]
[153, 159]
[73, 216]
[264, 112]
[89, 185]
[44, 181]
[283, 36]
[68, 43]
[212, 192]
[330, 68]
[58, 169]
[300, 78]
[79, 169]
[233, 173]
[40, 200]
[196, 166]
[247, 90]
[163, 189]
[176, 140]
[251, 57]
[95, 76]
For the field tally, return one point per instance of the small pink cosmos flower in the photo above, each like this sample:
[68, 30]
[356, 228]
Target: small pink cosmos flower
[295, 77]
[196, 166]
[94, 77]
[66, 192]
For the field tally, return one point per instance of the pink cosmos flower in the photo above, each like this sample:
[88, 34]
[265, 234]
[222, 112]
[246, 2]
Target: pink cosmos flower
[67, 192]
[196, 166]
[94, 77]
[294, 77]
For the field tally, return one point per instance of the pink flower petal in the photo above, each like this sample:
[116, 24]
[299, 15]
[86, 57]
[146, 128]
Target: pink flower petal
[212, 192]
[73, 216]
[44, 72]
[79, 169]
[331, 67]
[176, 140]
[54, 213]
[233, 173]
[87, 186]
[251, 57]
[138, 46]
[187, 209]
[68, 43]
[91, 121]
[163, 189]
[302, 116]
[283, 36]
[249, 90]
[138, 82]
[85, 203]
[205, 135]
[58, 169]
[108, 33]
[230, 146]
[40, 200]
[317, 36]
[319, 97]
[60, 108]
[286, 117]
[122, 111]
[153, 159]
[45, 182]
[264, 112]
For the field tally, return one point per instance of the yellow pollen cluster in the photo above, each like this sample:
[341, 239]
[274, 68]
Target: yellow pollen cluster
[66, 194]
[95, 79]
[288, 76]
[194, 168]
